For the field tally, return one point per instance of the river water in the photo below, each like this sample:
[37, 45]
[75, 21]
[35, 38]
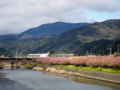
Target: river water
[23, 79]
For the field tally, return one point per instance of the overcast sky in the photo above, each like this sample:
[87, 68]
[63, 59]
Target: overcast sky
[17, 16]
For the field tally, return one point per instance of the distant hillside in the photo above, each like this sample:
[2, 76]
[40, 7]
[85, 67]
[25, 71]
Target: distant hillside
[115, 48]
[92, 47]
[52, 28]
[4, 52]
[90, 37]
[69, 40]
[25, 46]
[9, 37]
[109, 29]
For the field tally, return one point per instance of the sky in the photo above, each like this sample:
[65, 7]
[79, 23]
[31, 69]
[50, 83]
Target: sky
[17, 16]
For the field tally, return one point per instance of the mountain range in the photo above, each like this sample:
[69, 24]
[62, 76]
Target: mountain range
[52, 28]
[64, 37]
[71, 39]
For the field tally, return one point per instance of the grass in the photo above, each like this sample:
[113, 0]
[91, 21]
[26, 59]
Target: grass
[101, 69]
[30, 65]
[1, 65]
[117, 55]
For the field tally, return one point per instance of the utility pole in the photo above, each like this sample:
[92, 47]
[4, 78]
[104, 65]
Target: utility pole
[16, 58]
[87, 53]
[110, 50]
[103, 53]
[16, 55]
[118, 48]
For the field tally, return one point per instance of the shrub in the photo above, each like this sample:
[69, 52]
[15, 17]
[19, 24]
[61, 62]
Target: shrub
[29, 65]
[1, 65]
[98, 61]
[116, 55]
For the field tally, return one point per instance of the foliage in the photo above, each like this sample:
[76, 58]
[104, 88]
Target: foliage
[25, 46]
[117, 55]
[53, 60]
[51, 52]
[101, 69]
[91, 37]
[95, 61]
[89, 68]
[92, 47]
[1, 65]
[30, 65]
[113, 46]
[71, 39]
[4, 52]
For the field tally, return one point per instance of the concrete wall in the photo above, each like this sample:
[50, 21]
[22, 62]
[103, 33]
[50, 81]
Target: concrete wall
[109, 77]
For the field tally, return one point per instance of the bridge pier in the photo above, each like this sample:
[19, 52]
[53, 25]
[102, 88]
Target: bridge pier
[16, 66]
[12, 66]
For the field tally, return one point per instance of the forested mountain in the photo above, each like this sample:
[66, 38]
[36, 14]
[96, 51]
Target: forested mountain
[115, 48]
[92, 47]
[25, 46]
[90, 37]
[52, 28]
[4, 52]
[69, 40]
[9, 37]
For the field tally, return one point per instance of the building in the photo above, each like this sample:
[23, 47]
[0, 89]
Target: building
[61, 55]
[37, 55]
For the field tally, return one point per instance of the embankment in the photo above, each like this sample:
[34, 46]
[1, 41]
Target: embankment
[108, 77]
[1, 65]
[7, 65]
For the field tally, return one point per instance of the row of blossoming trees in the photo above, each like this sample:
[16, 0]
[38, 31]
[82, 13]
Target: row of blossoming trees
[97, 61]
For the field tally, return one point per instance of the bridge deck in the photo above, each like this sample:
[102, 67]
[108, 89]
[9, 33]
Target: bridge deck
[17, 60]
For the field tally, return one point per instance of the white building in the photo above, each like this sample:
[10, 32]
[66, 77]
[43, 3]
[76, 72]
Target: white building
[61, 55]
[37, 55]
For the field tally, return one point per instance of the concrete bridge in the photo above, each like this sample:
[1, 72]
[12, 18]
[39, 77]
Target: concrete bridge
[16, 60]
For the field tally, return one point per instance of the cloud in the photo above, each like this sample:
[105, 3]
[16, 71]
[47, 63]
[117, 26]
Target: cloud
[6, 3]
[19, 15]
[101, 5]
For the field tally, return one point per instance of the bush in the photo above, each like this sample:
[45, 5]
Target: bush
[116, 55]
[96, 61]
[29, 65]
[1, 65]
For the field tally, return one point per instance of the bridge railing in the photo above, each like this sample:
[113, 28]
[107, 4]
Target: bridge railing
[16, 60]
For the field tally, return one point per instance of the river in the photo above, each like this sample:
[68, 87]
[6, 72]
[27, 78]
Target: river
[23, 79]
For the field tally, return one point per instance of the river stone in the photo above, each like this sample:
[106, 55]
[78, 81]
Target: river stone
[38, 68]
[49, 69]
[61, 71]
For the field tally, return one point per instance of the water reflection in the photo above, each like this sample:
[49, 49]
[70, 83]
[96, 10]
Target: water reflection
[88, 80]
[23, 79]
[7, 84]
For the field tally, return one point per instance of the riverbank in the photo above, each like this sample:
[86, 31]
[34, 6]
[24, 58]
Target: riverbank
[108, 77]
[1, 65]
[7, 65]
[103, 76]
[27, 79]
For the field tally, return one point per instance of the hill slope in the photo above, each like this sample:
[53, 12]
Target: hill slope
[77, 40]
[92, 47]
[4, 52]
[52, 28]
[115, 48]
[70, 39]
